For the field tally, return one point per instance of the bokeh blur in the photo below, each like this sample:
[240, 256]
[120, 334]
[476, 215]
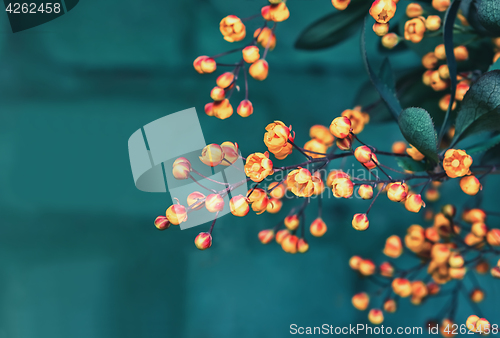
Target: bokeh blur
[79, 254]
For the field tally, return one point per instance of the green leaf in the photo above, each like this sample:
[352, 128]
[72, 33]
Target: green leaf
[418, 129]
[488, 15]
[492, 156]
[410, 164]
[483, 146]
[333, 28]
[386, 90]
[480, 109]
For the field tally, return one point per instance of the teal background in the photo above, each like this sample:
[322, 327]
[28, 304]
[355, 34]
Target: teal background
[79, 255]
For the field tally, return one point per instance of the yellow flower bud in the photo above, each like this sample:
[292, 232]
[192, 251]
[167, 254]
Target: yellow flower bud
[281, 235]
[345, 143]
[197, 63]
[393, 247]
[363, 154]
[479, 229]
[493, 237]
[444, 72]
[340, 127]
[366, 267]
[390, 40]
[218, 94]
[361, 301]
[321, 134]
[203, 241]
[414, 202]
[376, 316]
[316, 146]
[414, 30]
[440, 253]
[383, 10]
[274, 206]
[360, 222]
[276, 139]
[414, 10]
[430, 60]
[440, 52]
[390, 306]
[300, 182]
[437, 83]
[289, 244]
[265, 37]
[401, 287]
[232, 28]
[471, 322]
[162, 223]
[225, 80]
[208, 65]
[277, 192]
[419, 289]
[259, 70]
[195, 200]
[477, 295]
[462, 89]
[214, 203]
[386, 269]
[342, 187]
[222, 109]
[380, 29]
[358, 119]
[292, 222]
[239, 206]
[456, 260]
[414, 153]
[456, 163]
[365, 191]
[427, 77]
[181, 168]
[245, 108]
[495, 272]
[258, 166]
[483, 326]
[278, 12]
[441, 5]
[250, 54]
[433, 22]
[397, 191]
[340, 4]
[266, 236]
[445, 102]
[302, 245]
[470, 185]
[318, 228]
[461, 53]
[176, 214]
[212, 155]
[354, 261]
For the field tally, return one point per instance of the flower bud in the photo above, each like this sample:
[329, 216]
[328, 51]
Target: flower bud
[265, 37]
[479, 229]
[266, 236]
[292, 222]
[444, 72]
[345, 143]
[342, 187]
[414, 10]
[212, 155]
[195, 200]
[437, 83]
[361, 301]
[360, 222]
[470, 185]
[433, 22]
[440, 52]
[176, 214]
[214, 203]
[239, 206]
[245, 108]
[483, 326]
[232, 28]
[482, 267]
[317, 147]
[340, 127]
[477, 295]
[426, 77]
[414, 202]
[366, 267]
[462, 89]
[218, 94]
[203, 241]
[386, 269]
[365, 191]
[340, 4]
[258, 166]
[260, 205]
[390, 40]
[225, 80]
[401, 287]
[363, 154]
[231, 153]
[289, 244]
[415, 30]
[274, 206]
[354, 262]
[358, 119]
[440, 253]
[456, 260]
[318, 227]
[209, 109]
[162, 223]
[461, 53]
[334, 174]
[383, 10]
[197, 63]
[475, 215]
[472, 240]
[444, 103]
[441, 6]
[376, 316]
[495, 272]
[281, 235]
[380, 29]
[419, 289]
[430, 60]
[181, 168]
[397, 191]
[302, 245]
[250, 54]
[432, 195]
[259, 70]
[208, 65]
[276, 192]
[393, 247]
[471, 322]
[222, 109]
[493, 237]
[390, 306]
[414, 153]
[322, 134]
[399, 147]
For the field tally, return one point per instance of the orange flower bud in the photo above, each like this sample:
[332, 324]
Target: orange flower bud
[318, 228]
[162, 223]
[214, 203]
[440, 253]
[432, 235]
[414, 202]
[483, 326]
[340, 127]
[380, 29]
[265, 37]
[470, 185]
[276, 139]
[441, 5]
[493, 237]
[432, 195]
[440, 52]
[316, 146]
[292, 222]
[360, 222]
[354, 261]
[336, 173]
[225, 80]
[401, 287]
[208, 65]
[289, 244]
[250, 54]
[363, 154]
[397, 191]
[361, 301]
[340, 4]
[386, 269]
[302, 245]
[414, 10]
[274, 206]
[195, 200]
[365, 191]
[318, 184]
[232, 28]
[456, 260]
[358, 119]
[390, 40]
[266, 236]
[415, 30]
[197, 63]
[218, 94]
[415, 239]
[477, 295]
[445, 102]
[472, 240]
[259, 70]
[322, 134]
[212, 155]
[278, 12]
[222, 109]
[427, 77]
[433, 22]
[181, 168]
[176, 214]
[258, 166]
[281, 235]
[203, 241]
[209, 109]
[366, 267]
[239, 206]
[345, 143]
[471, 322]
[475, 215]
[260, 205]
[479, 229]
[444, 72]
[342, 187]
[300, 182]
[437, 83]
[414, 153]
[376, 316]
[231, 153]
[495, 272]
[462, 89]
[419, 289]
[399, 147]
[430, 60]
[383, 10]
[482, 267]
[245, 108]
[393, 247]
[461, 53]
[390, 306]
[456, 163]
[277, 192]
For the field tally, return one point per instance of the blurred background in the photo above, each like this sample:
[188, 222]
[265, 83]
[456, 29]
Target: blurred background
[79, 254]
